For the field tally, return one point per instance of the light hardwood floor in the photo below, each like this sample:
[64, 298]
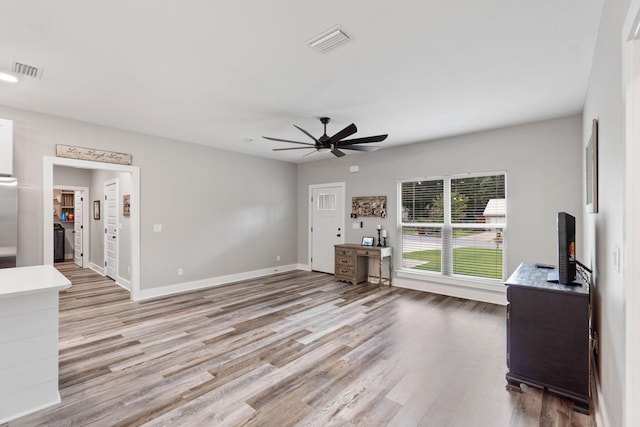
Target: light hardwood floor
[295, 348]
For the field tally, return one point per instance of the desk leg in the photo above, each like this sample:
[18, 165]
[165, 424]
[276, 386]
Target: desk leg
[380, 272]
[390, 270]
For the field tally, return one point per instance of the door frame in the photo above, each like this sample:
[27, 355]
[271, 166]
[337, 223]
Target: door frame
[105, 244]
[631, 245]
[313, 187]
[85, 218]
[48, 164]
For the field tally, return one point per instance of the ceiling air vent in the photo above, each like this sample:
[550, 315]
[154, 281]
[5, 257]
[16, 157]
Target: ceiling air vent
[329, 40]
[26, 70]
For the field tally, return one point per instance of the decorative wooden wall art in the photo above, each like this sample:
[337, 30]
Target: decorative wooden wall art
[369, 206]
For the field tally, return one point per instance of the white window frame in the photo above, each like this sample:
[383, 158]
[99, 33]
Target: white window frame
[446, 274]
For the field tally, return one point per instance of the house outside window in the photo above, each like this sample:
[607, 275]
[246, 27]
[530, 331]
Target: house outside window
[454, 225]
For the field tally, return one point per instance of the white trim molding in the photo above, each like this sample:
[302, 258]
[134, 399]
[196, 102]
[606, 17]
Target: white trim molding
[123, 283]
[211, 282]
[303, 267]
[97, 268]
[630, 44]
[599, 409]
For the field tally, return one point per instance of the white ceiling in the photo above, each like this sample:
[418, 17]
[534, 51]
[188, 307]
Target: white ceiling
[221, 72]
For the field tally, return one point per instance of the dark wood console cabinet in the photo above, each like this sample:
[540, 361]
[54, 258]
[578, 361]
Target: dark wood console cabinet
[548, 334]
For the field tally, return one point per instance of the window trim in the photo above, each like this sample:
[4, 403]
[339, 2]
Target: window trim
[441, 277]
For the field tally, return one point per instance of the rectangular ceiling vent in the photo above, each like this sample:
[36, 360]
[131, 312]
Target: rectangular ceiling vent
[329, 40]
[26, 70]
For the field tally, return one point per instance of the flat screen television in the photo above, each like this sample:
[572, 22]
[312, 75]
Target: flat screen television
[566, 248]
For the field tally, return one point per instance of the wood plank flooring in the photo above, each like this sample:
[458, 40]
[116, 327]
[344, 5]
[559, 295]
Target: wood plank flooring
[293, 349]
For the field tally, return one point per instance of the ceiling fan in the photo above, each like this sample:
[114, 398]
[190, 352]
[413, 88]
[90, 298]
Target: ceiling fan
[334, 143]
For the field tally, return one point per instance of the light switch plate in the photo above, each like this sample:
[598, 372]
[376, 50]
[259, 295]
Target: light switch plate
[157, 228]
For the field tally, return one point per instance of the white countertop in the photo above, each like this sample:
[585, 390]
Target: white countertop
[28, 280]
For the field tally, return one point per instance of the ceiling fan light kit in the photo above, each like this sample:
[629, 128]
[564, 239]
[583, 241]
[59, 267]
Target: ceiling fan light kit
[335, 143]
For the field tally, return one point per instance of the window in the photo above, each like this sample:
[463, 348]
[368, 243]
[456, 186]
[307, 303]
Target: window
[327, 202]
[454, 226]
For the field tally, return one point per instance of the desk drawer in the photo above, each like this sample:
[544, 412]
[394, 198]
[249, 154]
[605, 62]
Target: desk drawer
[367, 252]
[344, 261]
[343, 272]
[344, 252]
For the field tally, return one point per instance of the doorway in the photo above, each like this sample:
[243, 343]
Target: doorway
[48, 164]
[111, 241]
[70, 207]
[326, 219]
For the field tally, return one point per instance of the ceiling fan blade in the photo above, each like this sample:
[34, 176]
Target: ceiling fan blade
[364, 140]
[293, 148]
[348, 131]
[287, 140]
[308, 134]
[337, 152]
[367, 148]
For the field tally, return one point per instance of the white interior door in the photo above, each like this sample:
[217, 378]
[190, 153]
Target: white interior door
[327, 225]
[78, 228]
[111, 228]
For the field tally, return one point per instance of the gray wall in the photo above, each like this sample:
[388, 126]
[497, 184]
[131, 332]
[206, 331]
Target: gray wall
[222, 212]
[543, 162]
[603, 232]
[71, 176]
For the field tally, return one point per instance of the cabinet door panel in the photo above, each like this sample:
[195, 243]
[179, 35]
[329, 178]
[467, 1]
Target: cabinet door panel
[548, 338]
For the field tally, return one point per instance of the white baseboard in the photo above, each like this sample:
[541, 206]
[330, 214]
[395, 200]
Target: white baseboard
[21, 414]
[600, 410]
[123, 283]
[97, 268]
[491, 294]
[303, 267]
[211, 282]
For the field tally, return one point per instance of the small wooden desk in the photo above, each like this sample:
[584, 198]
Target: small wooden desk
[352, 262]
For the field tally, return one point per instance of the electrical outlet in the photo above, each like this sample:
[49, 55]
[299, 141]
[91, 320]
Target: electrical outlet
[180, 272]
[157, 228]
[278, 258]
